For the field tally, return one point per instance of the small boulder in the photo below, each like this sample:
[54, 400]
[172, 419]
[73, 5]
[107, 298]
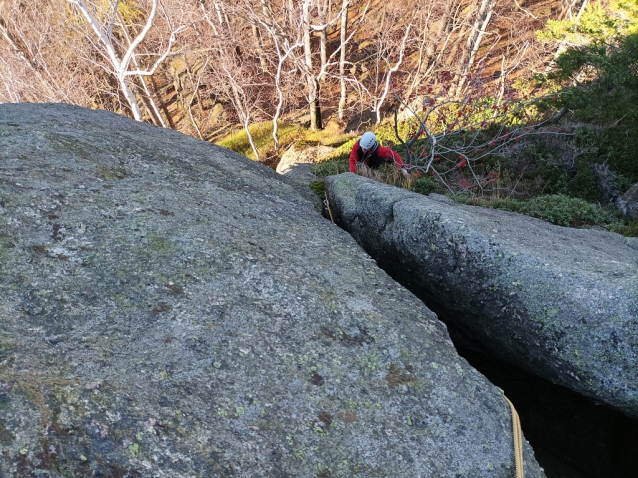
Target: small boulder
[298, 155]
[628, 202]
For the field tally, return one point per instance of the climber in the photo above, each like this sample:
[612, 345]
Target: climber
[367, 151]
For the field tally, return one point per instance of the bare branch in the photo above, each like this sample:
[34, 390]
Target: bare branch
[159, 61]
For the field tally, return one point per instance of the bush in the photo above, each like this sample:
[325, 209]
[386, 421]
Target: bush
[565, 211]
[424, 185]
[603, 57]
[555, 208]
[331, 167]
[626, 228]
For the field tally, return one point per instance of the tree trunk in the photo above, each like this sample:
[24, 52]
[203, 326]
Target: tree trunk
[129, 94]
[120, 65]
[483, 17]
[313, 85]
[162, 103]
[322, 9]
[315, 108]
[152, 108]
[342, 58]
[259, 48]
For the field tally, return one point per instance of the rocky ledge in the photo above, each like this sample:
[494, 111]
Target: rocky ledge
[559, 302]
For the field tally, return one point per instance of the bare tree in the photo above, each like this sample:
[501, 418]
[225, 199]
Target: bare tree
[313, 78]
[473, 42]
[323, 7]
[31, 33]
[450, 137]
[249, 56]
[313, 83]
[438, 23]
[342, 57]
[400, 52]
[284, 46]
[120, 57]
[236, 74]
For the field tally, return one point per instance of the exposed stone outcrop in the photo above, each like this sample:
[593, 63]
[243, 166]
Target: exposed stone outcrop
[560, 302]
[170, 308]
[628, 202]
[296, 155]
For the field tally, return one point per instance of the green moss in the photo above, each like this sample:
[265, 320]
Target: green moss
[111, 173]
[319, 187]
[134, 450]
[262, 137]
[160, 244]
[5, 437]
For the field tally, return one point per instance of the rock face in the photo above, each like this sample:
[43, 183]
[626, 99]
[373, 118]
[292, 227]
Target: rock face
[170, 308]
[560, 302]
[296, 167]
[296, 156]
[628, 202]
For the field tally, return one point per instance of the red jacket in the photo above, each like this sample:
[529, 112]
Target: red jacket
[373, 158]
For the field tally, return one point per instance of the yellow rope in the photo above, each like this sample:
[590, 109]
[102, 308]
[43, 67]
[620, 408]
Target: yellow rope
[518, 440]
[327, 203]
[516, 423]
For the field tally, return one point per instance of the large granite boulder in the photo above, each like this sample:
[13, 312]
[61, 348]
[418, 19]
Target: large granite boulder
[560, 302]
[170, 308]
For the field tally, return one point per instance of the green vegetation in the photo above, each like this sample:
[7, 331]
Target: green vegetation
[549, 175]
[288, 134]
[555, 208]
[598, 81]
[262, 136]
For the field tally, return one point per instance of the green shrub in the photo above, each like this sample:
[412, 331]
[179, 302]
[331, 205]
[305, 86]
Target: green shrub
[424, 185]
[331, 167]
[564, 210]
[626, 228]
[319, 187]
[555, 208]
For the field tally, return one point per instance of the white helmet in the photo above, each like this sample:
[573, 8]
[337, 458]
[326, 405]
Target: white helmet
[368, 140]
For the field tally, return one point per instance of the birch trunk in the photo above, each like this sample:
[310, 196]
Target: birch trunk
[342, 58]
[313, 85]
[322, 9]
[474, 39]
[120, 65]
[260, 48]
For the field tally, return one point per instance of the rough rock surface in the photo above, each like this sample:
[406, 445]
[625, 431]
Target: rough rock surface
[170, 308]
[628, 202]
[296, 155]
[296, 167]
[560, 302]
